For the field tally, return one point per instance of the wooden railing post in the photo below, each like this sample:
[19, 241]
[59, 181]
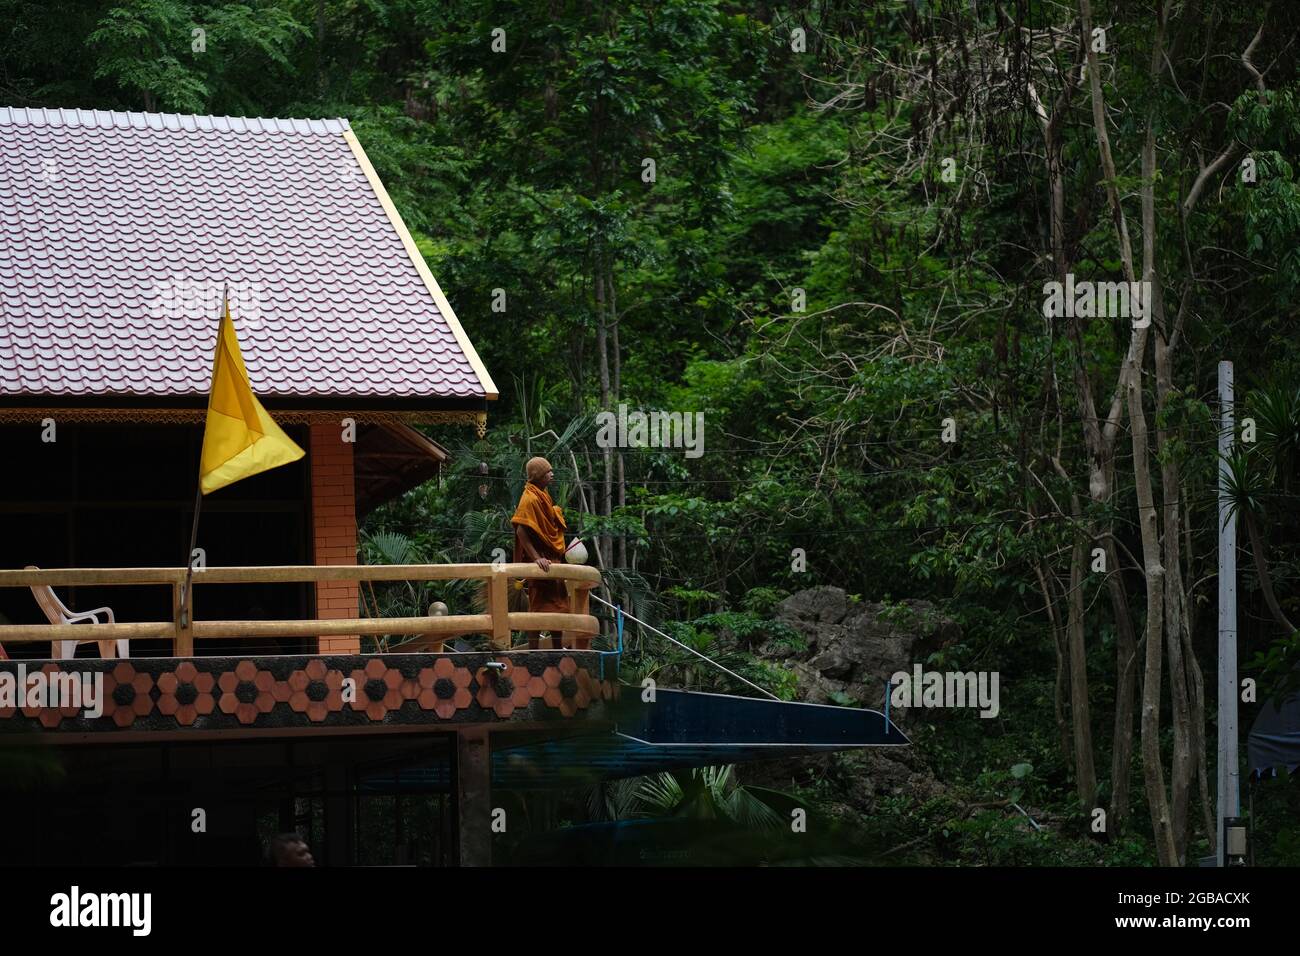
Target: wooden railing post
[499, 610]
[183, 637]
[579, 603]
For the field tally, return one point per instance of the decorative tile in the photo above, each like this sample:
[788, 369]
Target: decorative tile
[148, 694]
[316, 670]
[501, 691]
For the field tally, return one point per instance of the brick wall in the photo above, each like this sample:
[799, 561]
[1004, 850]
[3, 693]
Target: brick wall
[334, 528]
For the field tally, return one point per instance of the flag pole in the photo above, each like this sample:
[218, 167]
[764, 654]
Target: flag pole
[189, 562]
[188, 597]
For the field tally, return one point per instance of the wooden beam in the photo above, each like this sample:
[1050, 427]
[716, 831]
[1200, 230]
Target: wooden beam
[579, 603]
[499, 610]
[35, 633]
[72, 577]
[551, 621]
[276, 574]
[447, 626]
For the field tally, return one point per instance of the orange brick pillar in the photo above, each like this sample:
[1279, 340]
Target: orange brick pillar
[334, 528]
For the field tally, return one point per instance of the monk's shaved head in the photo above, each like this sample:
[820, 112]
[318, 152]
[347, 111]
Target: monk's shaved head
[537, 468]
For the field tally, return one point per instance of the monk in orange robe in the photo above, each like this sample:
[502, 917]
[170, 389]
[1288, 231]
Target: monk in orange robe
[539, 537]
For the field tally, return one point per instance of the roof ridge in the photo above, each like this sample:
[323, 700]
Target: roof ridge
[114, 119]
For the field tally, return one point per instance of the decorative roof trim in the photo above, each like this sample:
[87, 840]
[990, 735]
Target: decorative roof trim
[111, 119]
[196, 416]
[395, 217]
[417, 441]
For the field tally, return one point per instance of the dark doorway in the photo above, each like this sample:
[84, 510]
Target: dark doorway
[104, 496]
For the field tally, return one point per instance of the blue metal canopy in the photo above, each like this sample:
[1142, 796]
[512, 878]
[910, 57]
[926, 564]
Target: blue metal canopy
[676, 730]
[683, 717]
[1274, 741]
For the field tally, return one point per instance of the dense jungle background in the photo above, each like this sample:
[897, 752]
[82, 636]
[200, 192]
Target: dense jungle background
[828, 226]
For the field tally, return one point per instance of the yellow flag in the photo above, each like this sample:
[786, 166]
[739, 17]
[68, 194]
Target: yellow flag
[240, 439]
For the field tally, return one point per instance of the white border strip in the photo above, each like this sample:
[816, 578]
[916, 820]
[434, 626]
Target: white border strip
[789, 746]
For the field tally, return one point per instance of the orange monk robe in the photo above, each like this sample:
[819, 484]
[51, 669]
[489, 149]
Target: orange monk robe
[545, 520]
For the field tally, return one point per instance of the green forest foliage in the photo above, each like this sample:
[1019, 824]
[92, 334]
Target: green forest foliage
[806, 269]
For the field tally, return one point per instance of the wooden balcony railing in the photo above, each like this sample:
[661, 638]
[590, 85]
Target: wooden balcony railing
[577, 626]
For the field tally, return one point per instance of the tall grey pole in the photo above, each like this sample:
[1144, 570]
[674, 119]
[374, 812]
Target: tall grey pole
[1229, 793]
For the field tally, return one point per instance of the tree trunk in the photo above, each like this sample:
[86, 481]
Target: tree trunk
[1085, 770]
[320, 48]
[618, 394]
[1259, 557]
[1121, 760]
[1152, 770]
[602, 349]
[1162, 823]
[1058, 639]
[1131, 384]
[1100, 440]
[1208, 809]
[1184, 758]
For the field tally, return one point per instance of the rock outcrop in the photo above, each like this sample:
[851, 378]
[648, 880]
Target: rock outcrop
[850, 650]
[854, 647]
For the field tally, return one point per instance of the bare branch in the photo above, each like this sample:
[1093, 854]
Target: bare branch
[1245, 58]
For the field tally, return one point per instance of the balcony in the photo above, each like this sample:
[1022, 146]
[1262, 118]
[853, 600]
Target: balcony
[420, 685]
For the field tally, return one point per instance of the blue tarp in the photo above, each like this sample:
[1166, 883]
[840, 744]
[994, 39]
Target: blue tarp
[679, 717]
[678, 729]
[1274, 740]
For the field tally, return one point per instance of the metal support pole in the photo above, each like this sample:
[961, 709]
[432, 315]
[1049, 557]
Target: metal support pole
[187, 596]
[474, 797]
[1229, 782]
[337, 850]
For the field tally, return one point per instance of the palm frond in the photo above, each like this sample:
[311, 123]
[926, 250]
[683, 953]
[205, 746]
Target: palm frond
[613, 799]
[1245, 484]
[484, 533]
[1276, 409]
[389, 547]
[633, 593]
[711, 793]
[748, 808]
[659, 795]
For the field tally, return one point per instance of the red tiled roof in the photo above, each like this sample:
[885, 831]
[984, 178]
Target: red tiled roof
[118, 231]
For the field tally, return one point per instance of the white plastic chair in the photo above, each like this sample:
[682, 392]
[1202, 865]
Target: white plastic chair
[56, 612]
